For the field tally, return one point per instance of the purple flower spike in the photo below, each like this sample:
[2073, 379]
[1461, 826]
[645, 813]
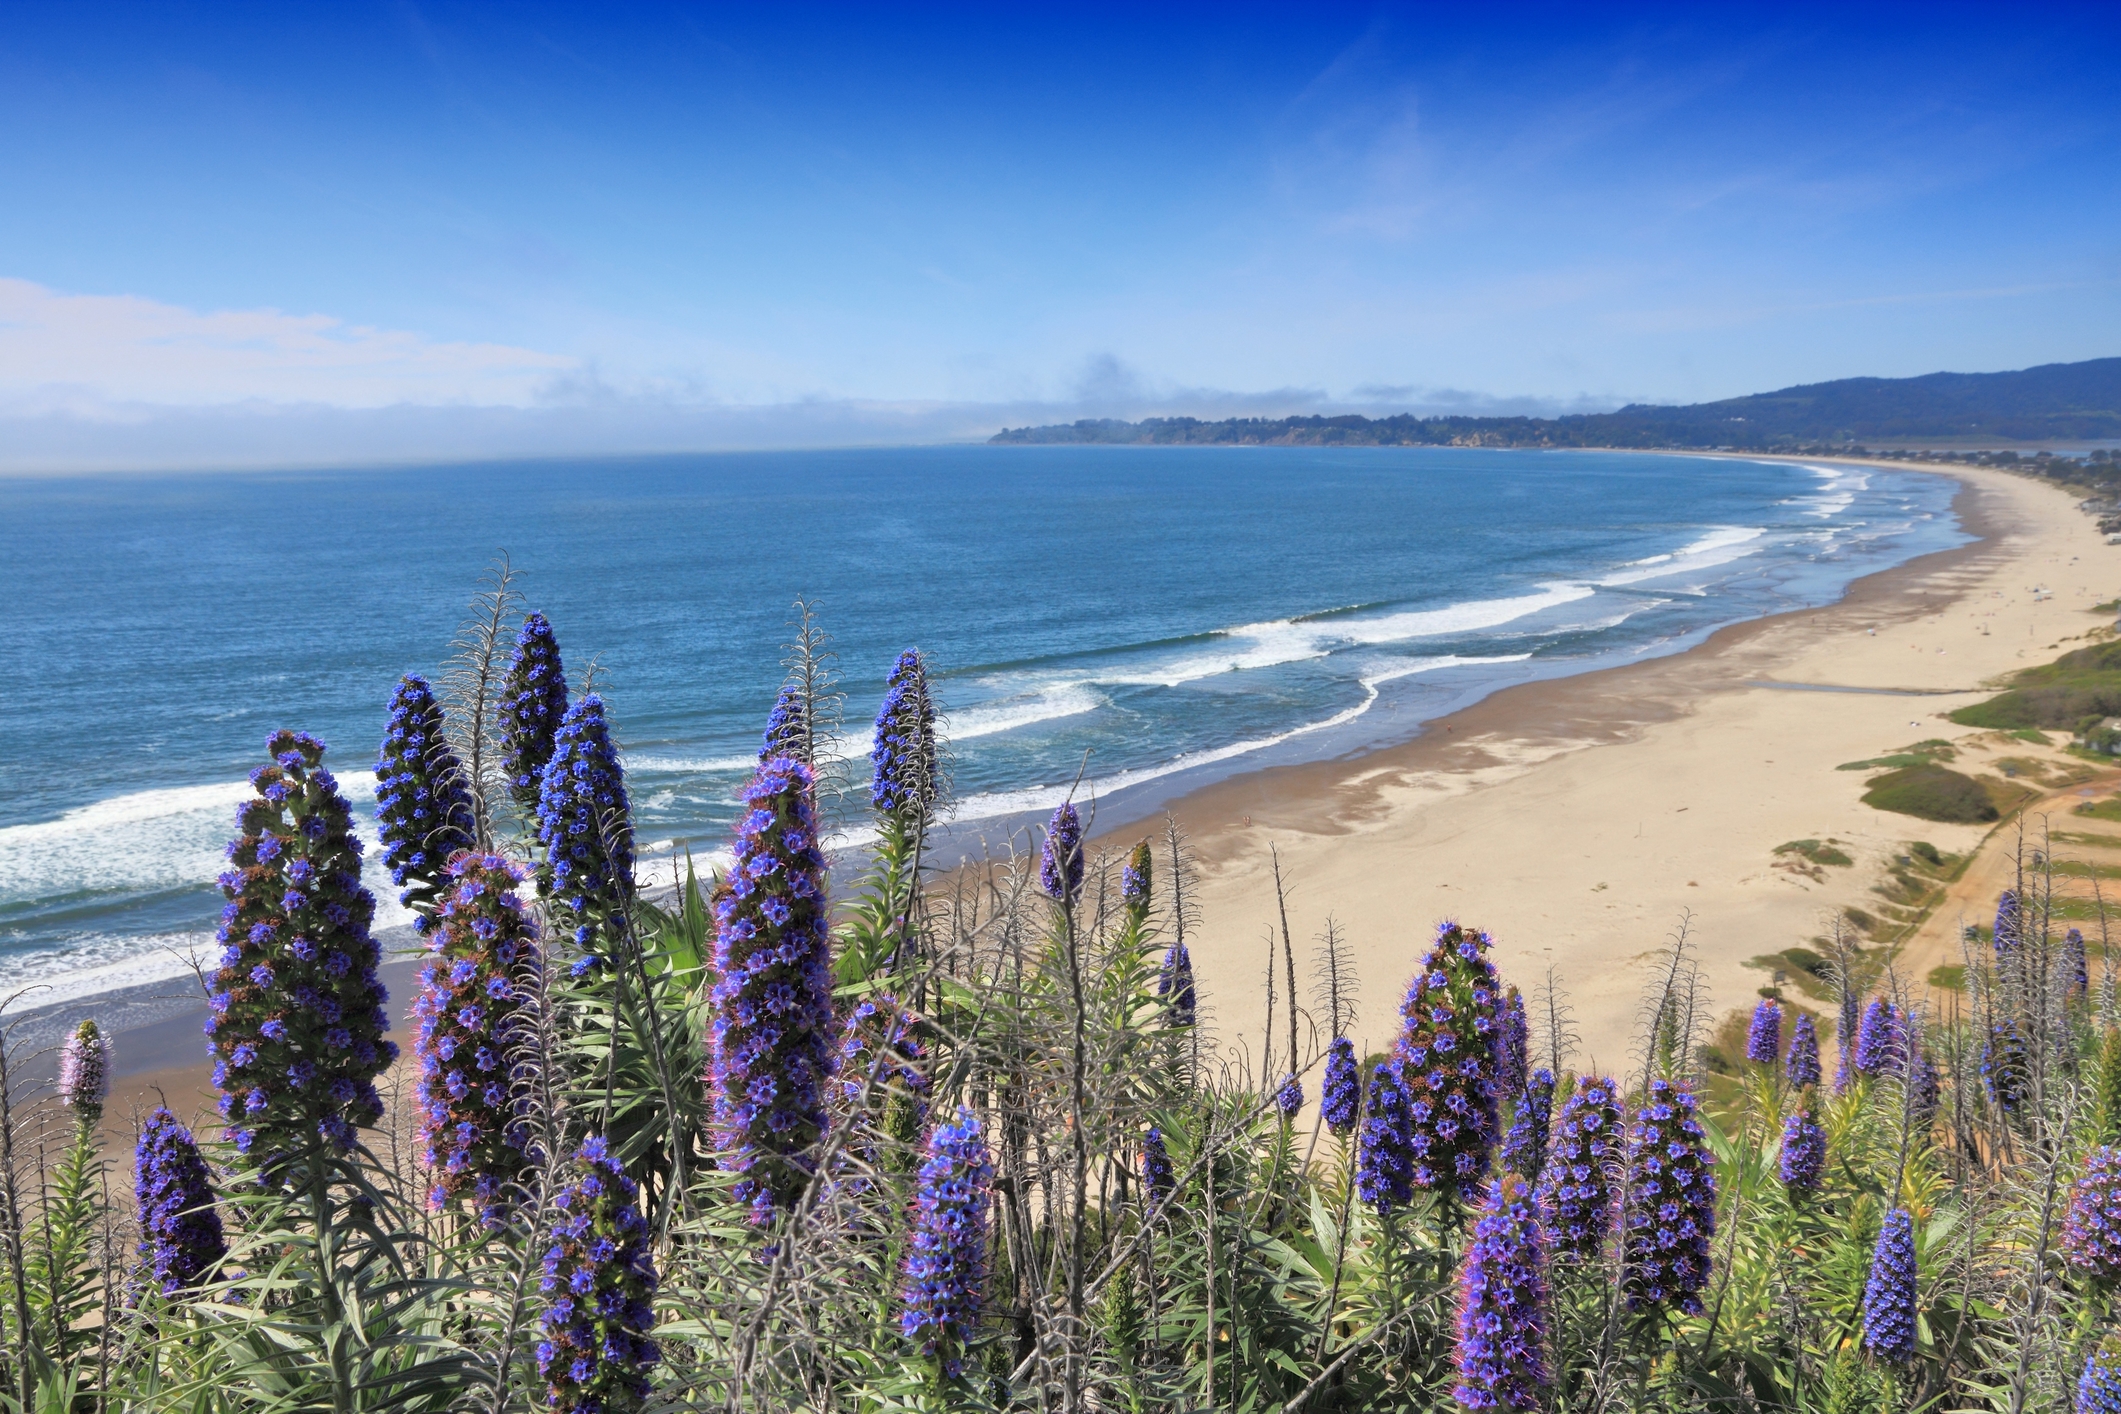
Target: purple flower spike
[297, 1035]
[423, 812]
[1340, 1094]
[598, 1283]
[1502, 1305]
[84, 1072]
[1801, 1066]
[1889, 1294]
[1289, 1098]
[586, 825]
[1174, 986]
[1925, 1092]
[1384, 1160]
[1512, 1045]
[1763, 1039]
[470, 1017]
[2091, 1234]
[1446, 1054]
[2010, 927]
[773, 1033]
[533, 703]
[1157, 1174]
[905, 759]
[880, 1078]
[2076, 972]
[1060, 858]
[1671, 1210]
[1881, 1041]
[788, 727]
[2099, 1388]
[1524, 1148]
[1803, 1153]
[1135, 881]
[2003, 1065]
[1582, 1168]
[180, 1233]
[946, 1270]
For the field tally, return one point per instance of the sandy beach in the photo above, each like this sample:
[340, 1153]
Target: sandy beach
[1583, 821]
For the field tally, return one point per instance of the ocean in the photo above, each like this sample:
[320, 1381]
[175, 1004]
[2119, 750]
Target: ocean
[1138, 619]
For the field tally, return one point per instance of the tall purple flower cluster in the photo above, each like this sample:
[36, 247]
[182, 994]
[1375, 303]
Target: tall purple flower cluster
[2091, 1234]
[2003, 1064]
[1446, 1054]
[1881, 1041]
[2010, 927]
[946, 1268]
[469, 1015]
[586, 826]
[423, 812]
[180, 1233]
[1513, 1037]
[1135, 881]
[882, 1086]
[905, 758]
[1174, 986]
[1157, 1174]
[880, 1055]
[598, 1283]
[1583, 1157]
[1060, 858]
[1925, 1092]
[84, 1072]
[2099, 1387]
[1763, 1039]
[1845, 1039]
[773, 1024]
[298, 1016]
[1671, 1207]
[1340, 1093]
[2076, 970]
[1889, 1293]
[533, 703]
[1524, 1148]
[1803, 1153]
[1384, 1157]
[788, 727]
[1801, 1065]
[1502, 1305]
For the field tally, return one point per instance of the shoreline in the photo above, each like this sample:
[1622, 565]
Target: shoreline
[1354, 802]
[1497, 808]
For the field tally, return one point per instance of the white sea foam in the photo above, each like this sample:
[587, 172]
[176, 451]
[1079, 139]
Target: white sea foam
[995, 804]
[91, 966]
[1841, 485]
[145, 842]
[688, 764]
[1279, 641]
[1720, 546]
[1045, 704]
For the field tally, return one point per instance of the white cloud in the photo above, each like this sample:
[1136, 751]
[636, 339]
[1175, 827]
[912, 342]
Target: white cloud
[90, 355]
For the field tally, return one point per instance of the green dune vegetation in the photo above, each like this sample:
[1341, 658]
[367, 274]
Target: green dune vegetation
[2074, 693]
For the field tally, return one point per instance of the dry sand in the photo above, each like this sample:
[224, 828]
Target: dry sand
[1505, 817]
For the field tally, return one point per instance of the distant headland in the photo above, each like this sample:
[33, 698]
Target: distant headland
[2054, 402]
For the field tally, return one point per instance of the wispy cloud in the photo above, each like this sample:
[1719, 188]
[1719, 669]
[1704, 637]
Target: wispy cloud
[84, 353]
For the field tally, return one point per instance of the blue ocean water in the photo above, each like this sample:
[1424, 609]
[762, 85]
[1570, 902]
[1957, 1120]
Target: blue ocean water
[1144, 617]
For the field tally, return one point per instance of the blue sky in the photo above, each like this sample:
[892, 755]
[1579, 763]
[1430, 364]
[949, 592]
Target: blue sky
[823, 224]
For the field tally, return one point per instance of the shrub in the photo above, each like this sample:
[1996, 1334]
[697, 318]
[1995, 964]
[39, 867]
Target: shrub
[1931, 793]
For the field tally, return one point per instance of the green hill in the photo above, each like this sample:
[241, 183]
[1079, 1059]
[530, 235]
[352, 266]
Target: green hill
[2054, 402]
